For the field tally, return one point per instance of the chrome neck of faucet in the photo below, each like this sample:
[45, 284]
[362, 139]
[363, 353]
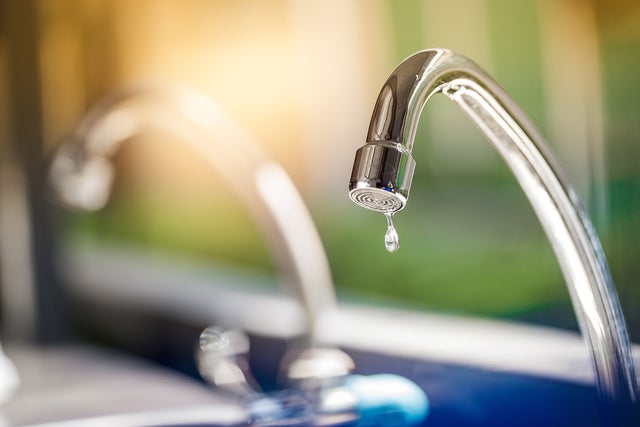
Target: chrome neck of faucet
[81, 175]
[384, 168]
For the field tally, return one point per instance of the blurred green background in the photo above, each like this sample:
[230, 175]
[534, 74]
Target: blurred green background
[303, 78]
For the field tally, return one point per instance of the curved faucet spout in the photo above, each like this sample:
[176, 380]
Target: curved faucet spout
[383, 170]
[81, 175]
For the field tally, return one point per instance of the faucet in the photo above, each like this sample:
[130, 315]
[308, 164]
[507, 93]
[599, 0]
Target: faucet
[81, 175]
[383, 170]
[323, 391]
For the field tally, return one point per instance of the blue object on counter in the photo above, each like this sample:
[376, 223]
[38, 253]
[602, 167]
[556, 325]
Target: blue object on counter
[387, 400]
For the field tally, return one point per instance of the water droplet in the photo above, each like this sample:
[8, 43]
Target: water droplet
[391, 239]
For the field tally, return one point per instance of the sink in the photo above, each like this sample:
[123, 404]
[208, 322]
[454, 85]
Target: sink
[459, 395]
[476, 372]
[544, 384]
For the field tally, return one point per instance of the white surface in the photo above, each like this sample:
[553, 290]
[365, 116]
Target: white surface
[83, 386]
[9, 379]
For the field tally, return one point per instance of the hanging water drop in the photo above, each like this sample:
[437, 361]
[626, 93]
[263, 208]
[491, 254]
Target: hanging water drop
[391, 240]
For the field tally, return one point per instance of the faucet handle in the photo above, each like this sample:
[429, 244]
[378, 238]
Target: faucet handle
[313, 368]
[222, 361]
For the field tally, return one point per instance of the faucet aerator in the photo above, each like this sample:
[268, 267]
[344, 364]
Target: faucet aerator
[377, 199]
[381, 177]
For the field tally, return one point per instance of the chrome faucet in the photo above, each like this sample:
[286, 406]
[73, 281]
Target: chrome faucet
[383, 170]
[324, 393]
[82, 173]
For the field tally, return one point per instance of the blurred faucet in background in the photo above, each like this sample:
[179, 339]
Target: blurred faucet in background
[82, 173]
[383, 171]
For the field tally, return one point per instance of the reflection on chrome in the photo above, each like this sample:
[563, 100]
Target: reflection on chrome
[82, 173]
[314, 368]
[222, 361]
[383, 170]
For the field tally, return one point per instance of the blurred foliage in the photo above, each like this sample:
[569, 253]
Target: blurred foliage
[224, 233]
[461, 250]
[620, 50]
